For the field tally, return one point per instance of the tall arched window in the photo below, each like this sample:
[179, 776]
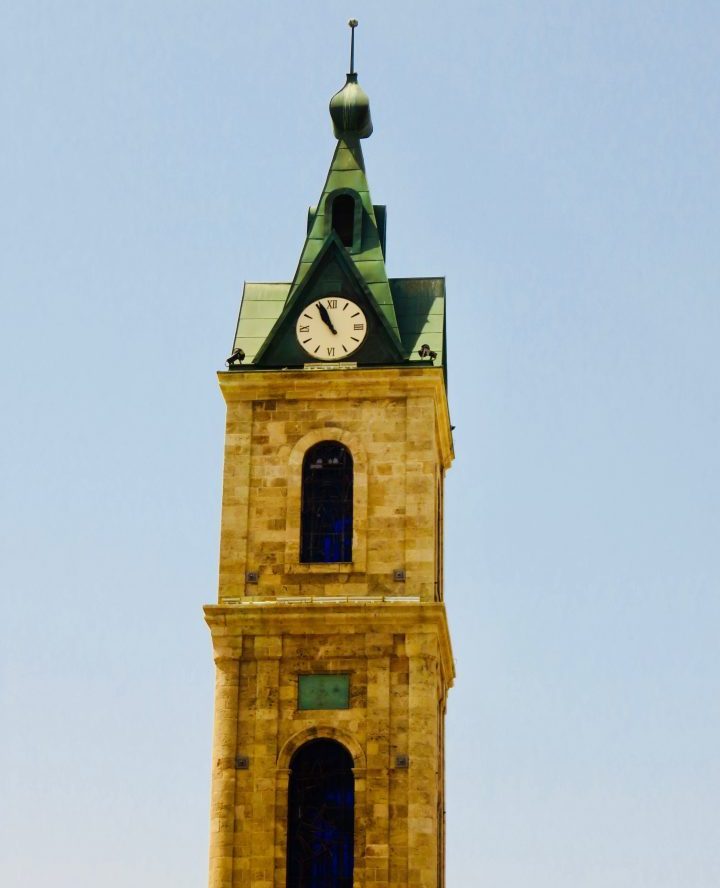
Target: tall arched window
[343, 218]
[327, 504]
[321, 816]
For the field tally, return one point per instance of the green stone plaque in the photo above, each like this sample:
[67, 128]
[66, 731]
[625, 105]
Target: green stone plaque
[329, 691]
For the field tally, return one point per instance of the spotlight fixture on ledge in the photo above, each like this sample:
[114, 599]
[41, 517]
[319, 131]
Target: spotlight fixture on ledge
[236, 358]
[425, 352]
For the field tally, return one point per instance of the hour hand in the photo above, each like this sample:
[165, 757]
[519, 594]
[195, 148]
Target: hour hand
[325, 316]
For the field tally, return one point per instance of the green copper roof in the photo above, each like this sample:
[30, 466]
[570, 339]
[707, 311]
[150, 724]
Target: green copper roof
[420, 308]
[261, 306]
[419, 305]
[344, 254]
[347, 171]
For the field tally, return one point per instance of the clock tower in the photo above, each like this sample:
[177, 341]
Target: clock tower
[330, 638]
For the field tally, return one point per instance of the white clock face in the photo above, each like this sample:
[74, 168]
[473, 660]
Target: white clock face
[331, 328]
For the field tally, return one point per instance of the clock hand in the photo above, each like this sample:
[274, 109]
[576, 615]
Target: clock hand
[326, 317]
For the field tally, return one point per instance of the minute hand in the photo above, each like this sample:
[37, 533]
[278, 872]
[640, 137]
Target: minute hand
[326, 317]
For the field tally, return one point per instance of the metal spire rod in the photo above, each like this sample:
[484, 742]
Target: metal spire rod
[353, 24]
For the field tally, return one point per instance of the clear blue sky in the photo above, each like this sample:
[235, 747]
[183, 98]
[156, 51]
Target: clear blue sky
[559, 163]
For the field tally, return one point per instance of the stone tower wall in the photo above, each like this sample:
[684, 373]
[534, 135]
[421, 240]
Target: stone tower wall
[395, 424]
[390, 636]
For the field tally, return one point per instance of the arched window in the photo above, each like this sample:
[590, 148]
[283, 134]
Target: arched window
[321, 816]
[327, 504]
[343, 218]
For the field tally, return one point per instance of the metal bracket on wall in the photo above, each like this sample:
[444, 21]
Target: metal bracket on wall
[242, 762]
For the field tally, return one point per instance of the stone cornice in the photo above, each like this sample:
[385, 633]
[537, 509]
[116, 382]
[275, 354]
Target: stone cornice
[230, 622]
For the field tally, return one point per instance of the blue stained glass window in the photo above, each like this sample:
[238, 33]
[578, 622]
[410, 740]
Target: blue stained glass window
[327, 504]
[321, 816]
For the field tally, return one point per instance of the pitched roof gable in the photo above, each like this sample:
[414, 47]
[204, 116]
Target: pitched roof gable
[419, 306]
[332, 253]
[347, 171]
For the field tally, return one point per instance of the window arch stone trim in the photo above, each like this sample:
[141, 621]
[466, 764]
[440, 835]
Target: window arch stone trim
[321, 732]
[294, 503]
[282, 785]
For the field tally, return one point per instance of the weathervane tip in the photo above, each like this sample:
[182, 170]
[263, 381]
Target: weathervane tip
[353, 23]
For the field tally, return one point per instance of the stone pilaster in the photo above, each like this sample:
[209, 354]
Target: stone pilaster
[268, 650]
[423, 750]
[222, 805]
[378, 648]
[235, 501]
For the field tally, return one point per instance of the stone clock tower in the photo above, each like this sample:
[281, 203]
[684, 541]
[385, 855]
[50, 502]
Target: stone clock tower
[330, 639]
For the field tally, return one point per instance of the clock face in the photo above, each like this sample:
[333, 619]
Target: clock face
[331, 328]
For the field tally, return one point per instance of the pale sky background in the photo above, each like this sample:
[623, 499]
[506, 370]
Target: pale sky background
[559, 163]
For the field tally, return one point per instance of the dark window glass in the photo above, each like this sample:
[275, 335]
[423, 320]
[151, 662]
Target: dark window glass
[343, 218]
[327, 504]
[321, 815]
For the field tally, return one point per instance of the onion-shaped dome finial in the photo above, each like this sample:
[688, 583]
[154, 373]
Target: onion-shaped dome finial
[350, 107]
